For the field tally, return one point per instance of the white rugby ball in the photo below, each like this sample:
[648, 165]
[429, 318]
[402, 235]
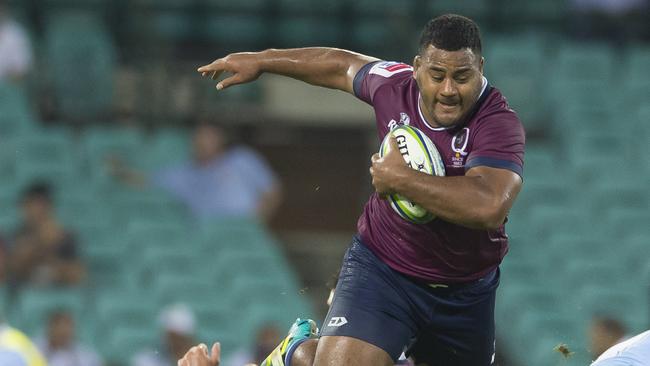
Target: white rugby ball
[421, 154]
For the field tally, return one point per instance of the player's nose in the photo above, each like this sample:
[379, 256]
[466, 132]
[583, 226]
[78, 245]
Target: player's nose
[448, 88]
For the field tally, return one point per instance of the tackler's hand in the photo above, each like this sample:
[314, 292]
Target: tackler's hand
[198, 356]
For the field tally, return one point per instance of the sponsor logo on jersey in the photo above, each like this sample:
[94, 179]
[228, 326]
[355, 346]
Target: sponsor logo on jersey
[389, 68]
[458, 146]
[337, 321]
[404, 119]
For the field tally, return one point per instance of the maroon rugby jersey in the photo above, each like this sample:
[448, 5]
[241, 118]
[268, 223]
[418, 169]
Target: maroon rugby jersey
[493, 136]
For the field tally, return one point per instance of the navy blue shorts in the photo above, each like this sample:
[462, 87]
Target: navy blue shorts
[436, 326]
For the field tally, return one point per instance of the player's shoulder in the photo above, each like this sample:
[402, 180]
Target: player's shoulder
[494, 108]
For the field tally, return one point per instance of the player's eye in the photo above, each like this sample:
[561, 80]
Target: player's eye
[438, 79]
[462, 79]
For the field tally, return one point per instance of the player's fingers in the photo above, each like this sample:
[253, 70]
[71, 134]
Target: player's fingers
[392, 143]
[374, 158]
[216, 353]
[214, 66]
[229, 81]
[203, 348]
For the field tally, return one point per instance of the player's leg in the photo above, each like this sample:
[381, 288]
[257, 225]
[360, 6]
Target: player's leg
[461, 331]
[340, 350]
[370, 320]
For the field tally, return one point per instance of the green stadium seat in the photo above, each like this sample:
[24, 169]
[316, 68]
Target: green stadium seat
[638, 59]
[81, 60]
[383, 8]
[313, 7]
[247, 6]
[237, 30]
[124, 341]
[582, 272]
[545, 219]
[17, 115]
[622, 222]
[475, 9]
[47, 155]
[101, 144]
[635, 250]
[301, 31]
[585, 62]
[517, 13]
[371, 35]
[35, 304]
[167, 147]
[600, 299]
[189, 287]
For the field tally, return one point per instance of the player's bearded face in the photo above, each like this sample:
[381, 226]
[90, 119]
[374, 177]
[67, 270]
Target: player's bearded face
[450, 83]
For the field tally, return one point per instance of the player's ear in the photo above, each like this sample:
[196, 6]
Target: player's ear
[481, 63]
[417, 60]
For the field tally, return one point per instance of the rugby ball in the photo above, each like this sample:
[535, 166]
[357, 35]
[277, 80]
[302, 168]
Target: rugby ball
[420, 153]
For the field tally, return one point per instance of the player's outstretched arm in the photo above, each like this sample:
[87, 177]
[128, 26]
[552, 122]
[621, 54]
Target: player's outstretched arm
[321, 66]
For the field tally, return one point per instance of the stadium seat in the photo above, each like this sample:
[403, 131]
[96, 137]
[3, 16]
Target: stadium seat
[622, 301]
[301, 31]
[247, 6]
[475, 9]
[81, 59]
[383, 8]
[122, 342]
[237, 30]
[638, 57]
[627, 221]
[35, 304]
[311, 7]
[17, 115]
[585, 62]
[166, 147]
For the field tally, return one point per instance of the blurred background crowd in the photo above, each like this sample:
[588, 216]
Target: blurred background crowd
[141, 211]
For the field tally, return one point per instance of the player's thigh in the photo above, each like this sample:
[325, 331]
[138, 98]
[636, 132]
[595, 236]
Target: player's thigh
[340, 350]
[462, 329]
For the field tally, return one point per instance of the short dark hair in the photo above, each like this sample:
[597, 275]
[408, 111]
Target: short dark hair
[38, 190]
[451, 32]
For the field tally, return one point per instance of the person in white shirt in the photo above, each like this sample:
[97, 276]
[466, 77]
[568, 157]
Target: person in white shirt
[15, 47]
[59, 346]
[632, 352]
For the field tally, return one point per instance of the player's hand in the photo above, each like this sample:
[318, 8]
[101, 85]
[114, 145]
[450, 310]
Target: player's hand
[243, 66]
[387, 169]
[198, 356]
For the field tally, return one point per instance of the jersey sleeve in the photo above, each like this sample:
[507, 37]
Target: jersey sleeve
[374, 75]
[499, 143]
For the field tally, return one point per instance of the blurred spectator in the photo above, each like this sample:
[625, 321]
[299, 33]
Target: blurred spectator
[15, 47]
[178, 325]
[267, 338]
[60, 347]
[631, 352]
[617, 20]
[16, 349]
[43, 252]
[220, 181]
[604, 332]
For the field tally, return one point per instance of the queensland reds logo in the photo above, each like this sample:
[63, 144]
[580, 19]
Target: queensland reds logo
[459, 142]
[458, 145]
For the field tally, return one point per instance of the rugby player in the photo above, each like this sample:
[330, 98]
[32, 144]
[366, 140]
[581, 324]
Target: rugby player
[429, 288]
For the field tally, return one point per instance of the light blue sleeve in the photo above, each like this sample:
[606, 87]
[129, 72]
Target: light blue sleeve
[172, 180]
[258, 173]
[11, 358]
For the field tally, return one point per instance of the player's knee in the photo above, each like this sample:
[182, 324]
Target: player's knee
[305, 353]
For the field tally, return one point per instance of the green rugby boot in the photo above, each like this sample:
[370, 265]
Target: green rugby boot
[301, 330]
